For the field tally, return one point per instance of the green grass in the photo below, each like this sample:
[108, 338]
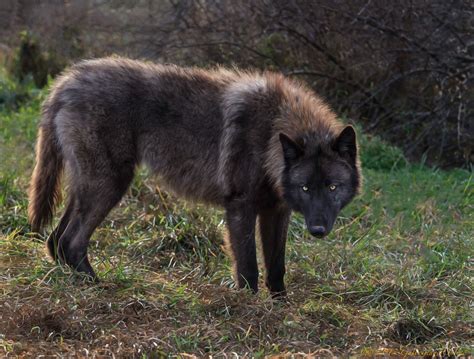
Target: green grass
[393, 278]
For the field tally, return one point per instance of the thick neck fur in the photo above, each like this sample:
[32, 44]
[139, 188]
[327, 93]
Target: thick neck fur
[302, 116]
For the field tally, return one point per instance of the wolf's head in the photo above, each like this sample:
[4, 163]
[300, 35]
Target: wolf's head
[319, 179]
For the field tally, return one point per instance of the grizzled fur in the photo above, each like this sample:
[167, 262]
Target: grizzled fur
[259, 145]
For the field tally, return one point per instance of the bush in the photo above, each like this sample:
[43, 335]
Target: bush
[378, 155]
[30, 62]
[12, 92]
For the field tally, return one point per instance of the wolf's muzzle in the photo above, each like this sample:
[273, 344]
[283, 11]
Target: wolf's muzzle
[317, 231]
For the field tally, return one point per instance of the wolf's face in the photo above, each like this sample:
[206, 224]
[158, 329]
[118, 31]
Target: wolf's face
[318, 181]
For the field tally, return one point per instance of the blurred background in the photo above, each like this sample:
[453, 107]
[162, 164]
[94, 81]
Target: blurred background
[402, 70]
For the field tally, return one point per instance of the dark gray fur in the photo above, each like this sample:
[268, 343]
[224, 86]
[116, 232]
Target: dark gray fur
[209, 135]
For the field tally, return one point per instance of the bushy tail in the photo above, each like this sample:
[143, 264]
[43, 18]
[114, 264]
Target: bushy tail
[45, 191]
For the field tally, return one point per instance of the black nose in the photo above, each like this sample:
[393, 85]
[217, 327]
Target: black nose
[317, 231]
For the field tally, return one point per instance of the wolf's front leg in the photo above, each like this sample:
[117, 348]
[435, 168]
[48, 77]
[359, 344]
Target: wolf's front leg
[273, 225]
[241, 219]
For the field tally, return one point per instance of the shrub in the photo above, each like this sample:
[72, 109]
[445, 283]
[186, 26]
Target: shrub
[376, 154]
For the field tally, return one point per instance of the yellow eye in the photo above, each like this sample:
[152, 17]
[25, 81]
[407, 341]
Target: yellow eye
[332, 187]
[304, 188]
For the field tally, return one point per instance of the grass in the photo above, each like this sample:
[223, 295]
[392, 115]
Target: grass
[393, 278]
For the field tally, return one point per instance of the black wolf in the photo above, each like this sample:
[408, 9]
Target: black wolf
[258, 144]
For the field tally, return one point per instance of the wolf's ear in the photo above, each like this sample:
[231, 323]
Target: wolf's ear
[291, 150]
[346, 144]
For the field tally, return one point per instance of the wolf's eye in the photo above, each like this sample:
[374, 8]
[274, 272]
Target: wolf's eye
[304, 188]
[332, 187]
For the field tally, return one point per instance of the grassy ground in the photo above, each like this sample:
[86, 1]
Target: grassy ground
[393, 277]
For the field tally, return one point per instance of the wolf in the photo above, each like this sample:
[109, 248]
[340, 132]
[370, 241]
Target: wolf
[258, 144]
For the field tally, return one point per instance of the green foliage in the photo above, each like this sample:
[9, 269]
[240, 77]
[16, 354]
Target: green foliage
[13, 93]
[32, 63]
[379, 155]
[17, 120]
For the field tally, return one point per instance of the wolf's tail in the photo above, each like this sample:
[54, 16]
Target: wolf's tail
[45, 191]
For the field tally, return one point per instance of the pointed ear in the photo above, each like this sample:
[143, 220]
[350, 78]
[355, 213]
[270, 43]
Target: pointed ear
[346, 144]
[291, 150]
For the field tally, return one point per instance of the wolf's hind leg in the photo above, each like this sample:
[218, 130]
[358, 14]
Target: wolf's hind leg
[52, 242]
[92, 205]
[273, 226]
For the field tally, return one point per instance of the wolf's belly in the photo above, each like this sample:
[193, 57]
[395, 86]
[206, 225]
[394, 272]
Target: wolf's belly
[188, 168]
[190, 183]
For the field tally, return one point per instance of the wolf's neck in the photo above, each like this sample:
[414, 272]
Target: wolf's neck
[303, 116]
